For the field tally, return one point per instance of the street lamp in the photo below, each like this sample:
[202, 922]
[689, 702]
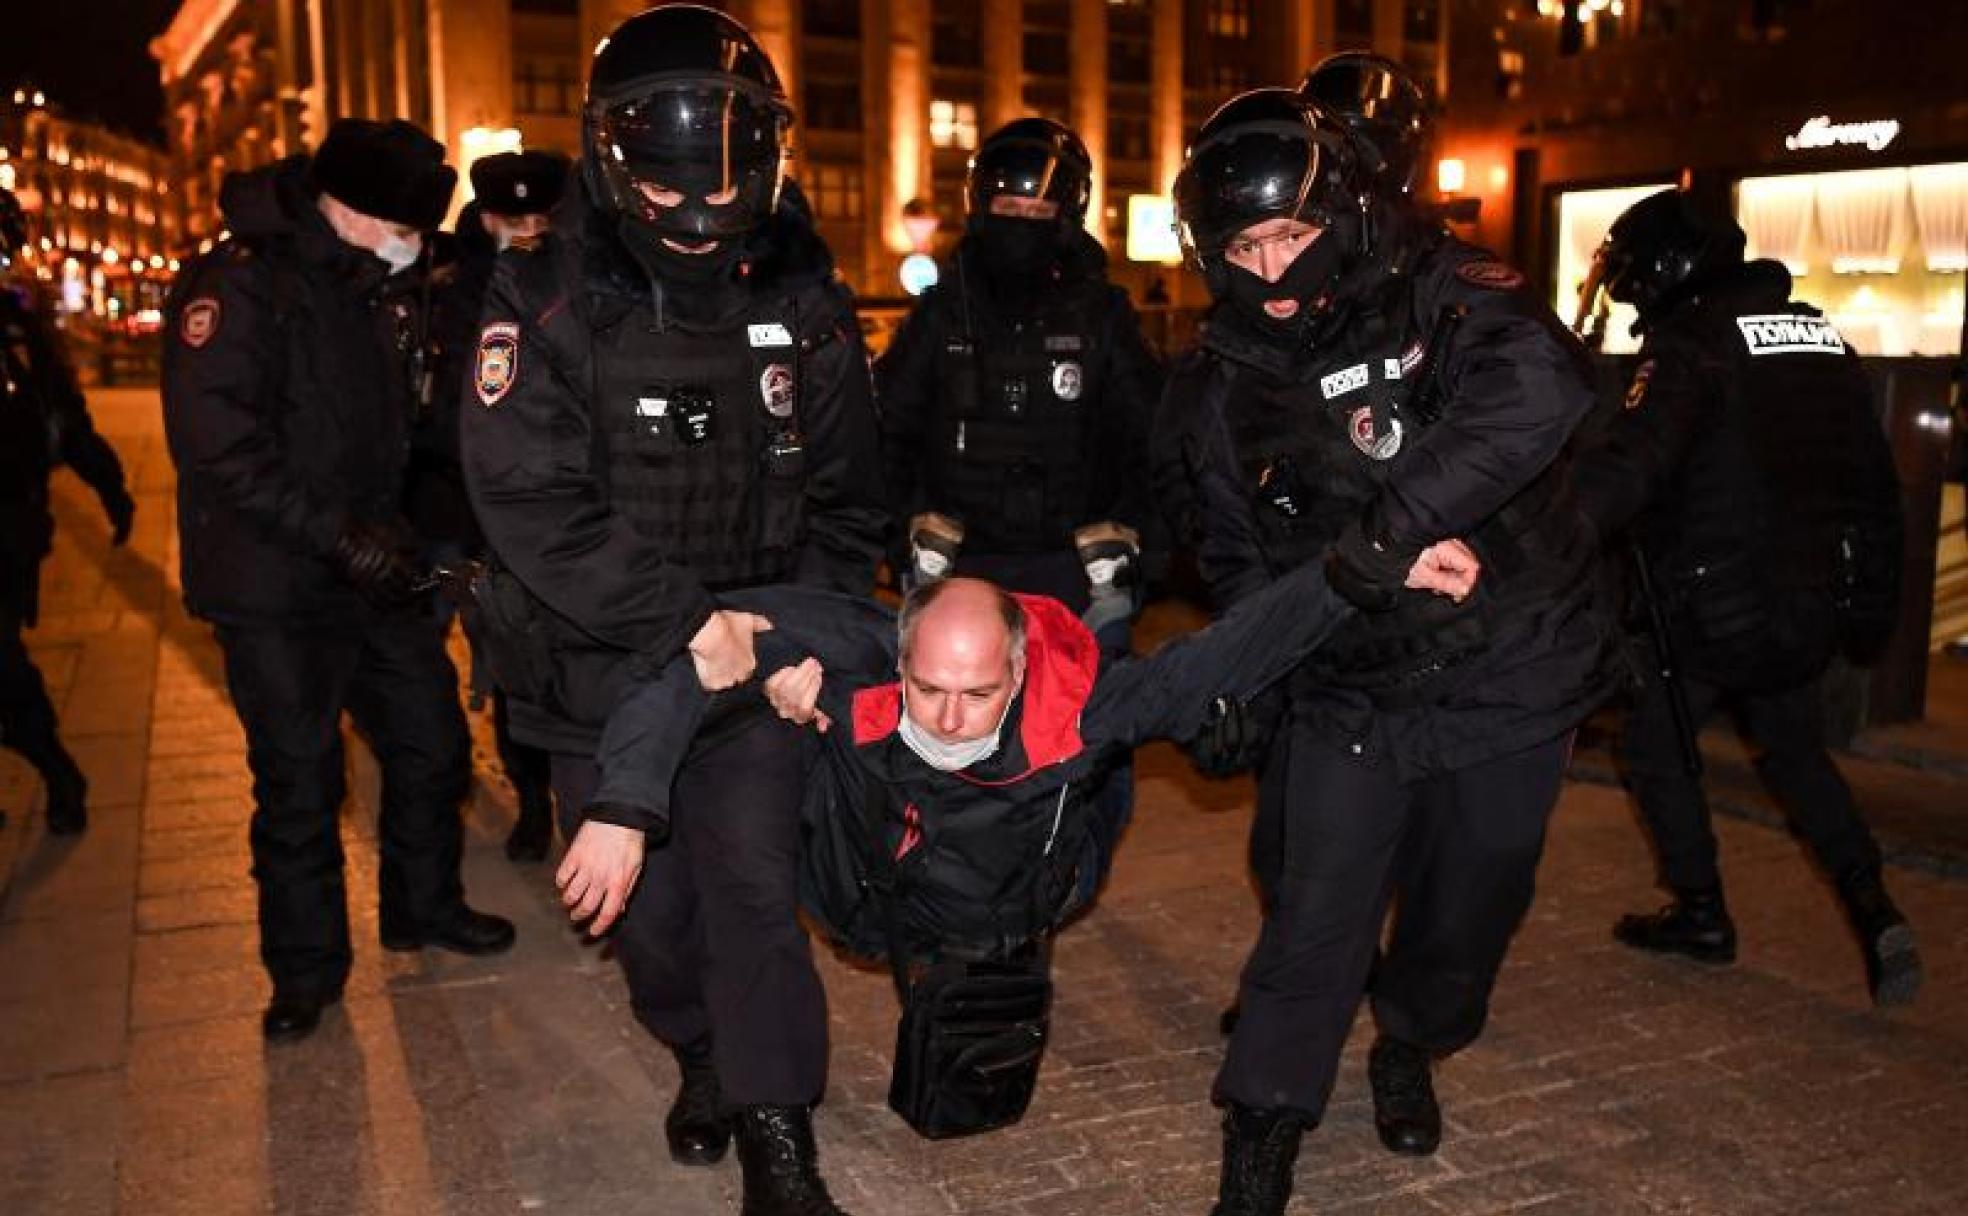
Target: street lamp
[920, 221]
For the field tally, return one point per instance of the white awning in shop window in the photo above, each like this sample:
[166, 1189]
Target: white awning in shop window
[1775, 213]
[1862, 217]
[1940, 204]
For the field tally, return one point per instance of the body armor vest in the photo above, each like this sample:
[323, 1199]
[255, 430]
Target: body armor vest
[704, 449]
[1315, 450]
[1009, 442]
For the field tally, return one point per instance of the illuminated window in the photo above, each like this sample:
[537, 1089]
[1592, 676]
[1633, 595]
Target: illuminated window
[835, 191]
[953, 124]
[1230, 18]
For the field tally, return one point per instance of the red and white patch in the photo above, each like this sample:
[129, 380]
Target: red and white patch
[1361, 426]
[1492, 276]
[776, 389]
[199, 322]
[498, 362]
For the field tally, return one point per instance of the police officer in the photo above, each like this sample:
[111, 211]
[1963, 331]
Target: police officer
[44, 421]
[1383, 108]
[288, 406]
[1016, 398]
[1750, 469]
[1367, 390]
[670, 399]
[514, 194]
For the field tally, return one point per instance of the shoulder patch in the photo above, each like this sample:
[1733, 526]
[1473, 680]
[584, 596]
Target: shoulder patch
[1636, 392]
[1788, 333]
[199, 322]
[1490, 275]
[498, 362]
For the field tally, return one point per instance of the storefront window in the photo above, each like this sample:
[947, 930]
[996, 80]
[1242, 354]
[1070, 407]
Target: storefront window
[1583, 218]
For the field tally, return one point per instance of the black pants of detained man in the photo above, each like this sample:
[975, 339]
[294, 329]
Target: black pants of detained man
[711, 942]
[291, 686]
[1456, 852]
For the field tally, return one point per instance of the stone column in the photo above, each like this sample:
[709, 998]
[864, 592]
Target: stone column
[895, 127]
[471, 69]
[1001, 34]
[1285, 32]
[1389, 35]
[1165, 134]
[1087, 103]
[776, 24]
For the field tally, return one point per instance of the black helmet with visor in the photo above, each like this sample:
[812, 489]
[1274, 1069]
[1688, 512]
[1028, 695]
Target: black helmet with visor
[1381, 104]
[1036, 159]
[685, 125]
[1659, 251]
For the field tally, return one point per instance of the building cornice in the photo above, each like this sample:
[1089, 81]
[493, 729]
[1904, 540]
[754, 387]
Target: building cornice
[181, 45]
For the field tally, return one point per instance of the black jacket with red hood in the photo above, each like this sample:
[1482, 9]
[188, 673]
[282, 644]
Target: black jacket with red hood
[902, 857]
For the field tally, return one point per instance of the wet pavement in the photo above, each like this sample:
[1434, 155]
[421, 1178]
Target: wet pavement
[133, 1078]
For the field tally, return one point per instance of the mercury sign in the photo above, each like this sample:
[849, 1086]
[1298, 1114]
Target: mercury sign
[1821, 132]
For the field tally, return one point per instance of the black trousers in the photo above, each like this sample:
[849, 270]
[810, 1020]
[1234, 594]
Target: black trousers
[1788, 737]
[291, 687]
[711, 941]
[27, 716]
[1458, 854]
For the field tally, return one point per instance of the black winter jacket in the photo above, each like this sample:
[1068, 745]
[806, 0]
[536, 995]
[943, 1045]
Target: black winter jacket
[286, 404]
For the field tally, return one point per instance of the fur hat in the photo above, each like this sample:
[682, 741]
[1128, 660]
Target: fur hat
[389, 170]
[519, 183]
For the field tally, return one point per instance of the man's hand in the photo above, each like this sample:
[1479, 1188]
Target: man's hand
[375, 557]
[795, 694]
[722, 650]
[1448, 568]
[599, 872]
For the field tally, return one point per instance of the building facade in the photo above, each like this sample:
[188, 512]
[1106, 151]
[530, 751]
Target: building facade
[892, 95]
[103, 227]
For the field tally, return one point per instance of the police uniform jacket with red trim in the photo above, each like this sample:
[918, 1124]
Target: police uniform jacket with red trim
[286, 404]
[976, 862]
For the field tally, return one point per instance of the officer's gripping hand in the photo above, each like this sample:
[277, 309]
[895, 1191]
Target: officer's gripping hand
[1369, 568]
[1236, 735]
[1446, 567]
[794, 693]
[600, 870]
[722, 649]
[376, 559]
[122, 512]
[934, 541]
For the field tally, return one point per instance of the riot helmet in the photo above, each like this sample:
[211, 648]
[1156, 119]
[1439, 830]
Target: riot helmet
[13, 224]
[1387, 112]
[685, 126]
[1026, 194]
[1659, 251]
[1265, 155]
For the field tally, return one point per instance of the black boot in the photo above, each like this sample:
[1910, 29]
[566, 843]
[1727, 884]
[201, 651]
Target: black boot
[1260, 1151]
[781, 1165]
[1226, 1022]
[697, 1128]
[532, 832]
[1696, 924]
[1405, 1112]
[1892, 960]
[68, 789]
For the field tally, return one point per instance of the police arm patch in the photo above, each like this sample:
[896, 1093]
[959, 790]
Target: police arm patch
[199, 322]
[498, 362]
[1490, 275]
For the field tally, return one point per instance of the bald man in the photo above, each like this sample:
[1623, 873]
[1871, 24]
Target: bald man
[947, 813]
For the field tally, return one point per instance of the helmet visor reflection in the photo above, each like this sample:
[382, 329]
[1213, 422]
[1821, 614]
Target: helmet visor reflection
[1254, 173]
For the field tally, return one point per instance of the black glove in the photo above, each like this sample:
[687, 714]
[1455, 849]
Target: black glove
[122, 512]
[374, 558]
[1236, 735]
[1369, 571]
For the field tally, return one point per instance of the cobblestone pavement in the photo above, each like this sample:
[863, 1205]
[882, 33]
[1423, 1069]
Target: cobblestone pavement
[133, 1078]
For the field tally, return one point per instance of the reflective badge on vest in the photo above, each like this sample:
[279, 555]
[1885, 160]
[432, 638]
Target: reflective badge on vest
[769, 334]
[1411, 358]
[1790, 334]
[1063, 343]
[1491, 276]
[1636, 392]
[776, 389]
[200, 322]
[1345, 381]
[498, 362]
[1361, 426]
[1067, 380]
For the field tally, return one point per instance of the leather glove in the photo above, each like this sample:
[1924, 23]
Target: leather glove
[1370, 571]
[1111, 554]
[1236, 735]
[373, 557]
[122, 512]
[934, 541]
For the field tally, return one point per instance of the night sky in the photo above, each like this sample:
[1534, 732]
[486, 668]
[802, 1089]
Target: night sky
[89, 58]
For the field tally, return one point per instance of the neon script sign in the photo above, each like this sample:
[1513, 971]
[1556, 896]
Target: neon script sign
[1821, 132]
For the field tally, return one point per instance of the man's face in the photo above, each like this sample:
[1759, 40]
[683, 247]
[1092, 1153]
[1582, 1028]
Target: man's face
[1267, 249]
[1017, 206]
[667, 196]
[367, 231]
[509, 230]
[958, 678]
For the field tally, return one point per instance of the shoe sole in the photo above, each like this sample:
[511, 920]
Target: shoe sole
[1714, 956]
[410, 945]
[699, 1161]
[1900, 971]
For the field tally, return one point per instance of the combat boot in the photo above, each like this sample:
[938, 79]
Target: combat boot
[1696, 924]
[697, 1128]
[1893, 971]
[781, 1164]
[68, 789]
[1260, 1152]
[1406, 1114]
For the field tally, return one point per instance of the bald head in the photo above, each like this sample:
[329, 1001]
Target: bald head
[962, 656]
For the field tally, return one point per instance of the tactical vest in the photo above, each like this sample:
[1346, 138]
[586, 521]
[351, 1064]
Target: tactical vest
[1009, 439]
[703, 448]
[1314, 451]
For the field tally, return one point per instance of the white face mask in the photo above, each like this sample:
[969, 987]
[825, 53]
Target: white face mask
[950, 757]
[401, 252]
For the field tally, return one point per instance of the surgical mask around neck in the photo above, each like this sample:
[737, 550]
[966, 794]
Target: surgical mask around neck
[950, 757]
[401, 252]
